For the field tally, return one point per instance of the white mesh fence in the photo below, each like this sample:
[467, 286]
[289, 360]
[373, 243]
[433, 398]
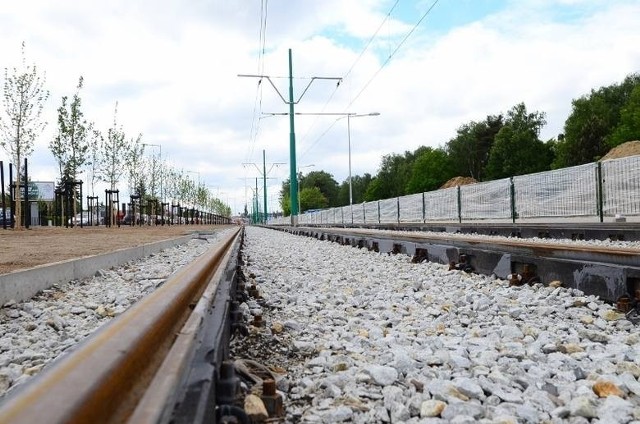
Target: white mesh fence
[323, 216]
[411, 208]
[358, 213]
[441, 204]
[389, 210]
[345, 215]
[371, 213]
[561, 193]
[486, 200]
[621, 186]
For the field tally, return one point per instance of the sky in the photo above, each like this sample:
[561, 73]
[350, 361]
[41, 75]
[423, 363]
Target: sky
[425, 66]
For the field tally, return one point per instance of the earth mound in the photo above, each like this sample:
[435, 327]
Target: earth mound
[458, 181]
[630, 148]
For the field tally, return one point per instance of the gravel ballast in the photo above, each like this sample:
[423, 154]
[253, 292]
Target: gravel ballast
[372, 338]
[35, 332]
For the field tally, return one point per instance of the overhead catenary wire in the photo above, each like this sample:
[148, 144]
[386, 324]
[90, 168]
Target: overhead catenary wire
[384, 64]
[346, 76]
[257, 104]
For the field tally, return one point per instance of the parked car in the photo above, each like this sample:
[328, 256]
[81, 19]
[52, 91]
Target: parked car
[5, 217]
[84, 218]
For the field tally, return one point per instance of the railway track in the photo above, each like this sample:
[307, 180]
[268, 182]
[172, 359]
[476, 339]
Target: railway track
[159, 361]
[612, 273]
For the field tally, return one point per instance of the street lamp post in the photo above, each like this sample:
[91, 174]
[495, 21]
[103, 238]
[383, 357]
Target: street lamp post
[349, 116]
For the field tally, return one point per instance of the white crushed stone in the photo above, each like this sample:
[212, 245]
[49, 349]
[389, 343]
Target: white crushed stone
[384, 340]
[34, 332]
[608, 243]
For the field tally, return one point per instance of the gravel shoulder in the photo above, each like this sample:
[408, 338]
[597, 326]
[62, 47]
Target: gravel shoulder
[27, 248]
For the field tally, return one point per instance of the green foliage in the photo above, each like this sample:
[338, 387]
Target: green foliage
[517, 150]
[628, 129]
[113, 153]
[324, 182]
[359, 185]
[595, 124]
[312, 198]
[392, 177]
[431, 169]
[135, 164]
[24, 97]
[469, 150]
[70, 146]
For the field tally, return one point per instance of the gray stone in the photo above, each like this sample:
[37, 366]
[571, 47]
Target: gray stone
[432, 408]
[469, 388]
[462, 409]
[337, 415]
[381, 375]
[582, 406]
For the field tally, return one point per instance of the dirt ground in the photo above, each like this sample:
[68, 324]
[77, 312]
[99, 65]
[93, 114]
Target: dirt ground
[22, 249]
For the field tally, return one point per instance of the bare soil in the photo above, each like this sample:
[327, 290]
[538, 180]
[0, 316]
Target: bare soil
[27, 248]
[630, 148]
[458, 181]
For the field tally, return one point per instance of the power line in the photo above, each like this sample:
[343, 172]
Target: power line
[406, 37]
[353, 65]
[257, 103]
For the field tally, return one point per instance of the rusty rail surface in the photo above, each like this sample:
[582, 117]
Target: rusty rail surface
[126, 371]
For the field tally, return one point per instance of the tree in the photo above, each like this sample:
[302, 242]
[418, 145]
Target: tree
[469, 150]
[359, 186]
[517, 150]
[23, 101]
[312, 198]
[590, 129]
[113, 154]
[94, 163]
[135, 164]
[70, 146]
[324, 182]
[393, 176]
[430, 170]
[628, 128]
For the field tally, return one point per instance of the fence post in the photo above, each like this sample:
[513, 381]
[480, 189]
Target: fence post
[459, 206]
[512, 195]
[379, 212]
[599, 193]
[424, 216]
[398, 208]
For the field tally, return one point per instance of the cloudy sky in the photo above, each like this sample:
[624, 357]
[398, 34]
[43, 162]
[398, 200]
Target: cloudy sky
[425, 66]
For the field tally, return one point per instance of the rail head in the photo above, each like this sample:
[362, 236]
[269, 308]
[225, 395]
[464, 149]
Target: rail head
[103, 378]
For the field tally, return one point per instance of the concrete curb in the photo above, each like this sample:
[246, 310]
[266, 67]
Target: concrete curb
[23, 285]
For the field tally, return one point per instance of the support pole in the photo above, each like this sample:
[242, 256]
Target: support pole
[293, 180]
[264, 182]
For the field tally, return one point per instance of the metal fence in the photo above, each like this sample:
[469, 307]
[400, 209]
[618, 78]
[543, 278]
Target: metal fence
[593, 191]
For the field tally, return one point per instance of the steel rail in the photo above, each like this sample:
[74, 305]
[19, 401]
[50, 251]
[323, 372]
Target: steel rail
[608, 272]
[105, 377]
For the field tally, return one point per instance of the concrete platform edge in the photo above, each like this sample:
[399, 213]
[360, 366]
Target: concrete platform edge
[23, 285]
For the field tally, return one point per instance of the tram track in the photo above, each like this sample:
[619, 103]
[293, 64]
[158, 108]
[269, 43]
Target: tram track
[610, 272]
[139, 366]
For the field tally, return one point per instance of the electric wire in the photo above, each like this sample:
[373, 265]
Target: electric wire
[386, 62]
[257, 104]
[346, 76]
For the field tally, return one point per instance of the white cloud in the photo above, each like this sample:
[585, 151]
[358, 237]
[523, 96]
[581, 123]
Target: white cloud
[173, 66]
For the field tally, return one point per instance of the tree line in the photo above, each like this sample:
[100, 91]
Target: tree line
[500, 146]
[107, 156]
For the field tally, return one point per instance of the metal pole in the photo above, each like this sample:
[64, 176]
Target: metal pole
[264, 182]
[349, 137]
[293, 181]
